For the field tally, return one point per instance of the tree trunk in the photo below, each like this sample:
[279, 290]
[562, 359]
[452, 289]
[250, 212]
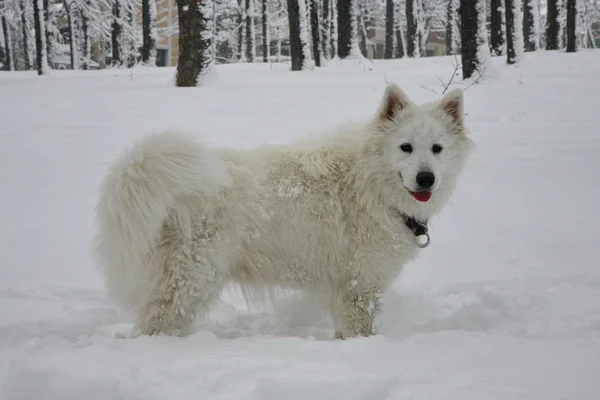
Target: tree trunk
[346, 28]
[389, 29]
[315, 32]
[47, 34]
[40, 38]
[116, 34]
[400, 49]
[265, 32]
[25, 30]
[87, 45]
[326, 30]
[468, 29]
[514, 30]
[72, 44]
[411, 29]
[129, 41]
[240, 21]
[333, 29]
[531, 25]
[497, 34]
[571, 25]
[552, 25]
[149, 32]
[8, 56]
[295, 43]
[196, 19]
[360, 23]
[250, 38]
[450, 20]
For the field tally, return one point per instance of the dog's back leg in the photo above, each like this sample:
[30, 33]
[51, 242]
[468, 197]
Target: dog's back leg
[187, 282]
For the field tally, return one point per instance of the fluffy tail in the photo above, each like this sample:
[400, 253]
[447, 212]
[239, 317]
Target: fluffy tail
[145, 185]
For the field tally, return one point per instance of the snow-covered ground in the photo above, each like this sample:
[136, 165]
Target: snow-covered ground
[505, 303]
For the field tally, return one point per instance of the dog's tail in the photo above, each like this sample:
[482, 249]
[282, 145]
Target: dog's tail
[159, 177]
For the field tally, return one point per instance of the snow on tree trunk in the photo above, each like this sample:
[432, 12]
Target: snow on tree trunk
[303, 14]
[196, 59]
[241, 28]
[389, 29]
[25, 32]
[315, 32]
[514, 31]
[497, 27]
[412, 33]
[8, 55]
[117, 34]
[531, 25]
[362, 44]
[483, 47]
[571, 26]
[51, 32]
[400, 49]
[562, 23]
[552, 25]
[149, 36]
[333, 29]
[265, 32]
[452, 32]
[68, 6]
[250, 32]
[474, 47]
[87, 45]
[326, 29]
[347, 20]
[40, 38]
[278, 56]
[422, 30]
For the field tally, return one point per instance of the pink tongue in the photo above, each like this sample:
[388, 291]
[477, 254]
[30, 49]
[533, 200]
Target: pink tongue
[422, 196]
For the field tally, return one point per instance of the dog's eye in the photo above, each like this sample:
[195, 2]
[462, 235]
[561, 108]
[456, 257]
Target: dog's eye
[437, 149]
[406, 147]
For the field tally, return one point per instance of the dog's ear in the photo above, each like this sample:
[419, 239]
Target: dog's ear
[394, 100]
[453, 104]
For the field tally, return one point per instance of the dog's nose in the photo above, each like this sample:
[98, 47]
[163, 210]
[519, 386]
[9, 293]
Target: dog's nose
[425, 179]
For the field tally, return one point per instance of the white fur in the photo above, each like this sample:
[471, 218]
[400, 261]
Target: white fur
[177, 220]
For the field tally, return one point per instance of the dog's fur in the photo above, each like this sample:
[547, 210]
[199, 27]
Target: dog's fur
[178, 220]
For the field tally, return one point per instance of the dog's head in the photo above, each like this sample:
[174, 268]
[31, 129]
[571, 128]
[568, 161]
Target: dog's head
[422, 148]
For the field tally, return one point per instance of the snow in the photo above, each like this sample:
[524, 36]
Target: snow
[504, 303]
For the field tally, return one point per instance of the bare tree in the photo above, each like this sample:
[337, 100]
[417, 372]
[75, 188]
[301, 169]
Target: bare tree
[149, 32]
[347, 21]
[315, 31]
[571, 26]
[8, 56]
[514, 31]
[25, 31]
[531, 25]
[196, 19]
[265, 31]
[497, 27]
[389, 29]
[552, 25]
[40, 35]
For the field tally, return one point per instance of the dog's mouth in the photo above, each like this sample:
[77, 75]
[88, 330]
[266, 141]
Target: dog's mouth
[422, 196]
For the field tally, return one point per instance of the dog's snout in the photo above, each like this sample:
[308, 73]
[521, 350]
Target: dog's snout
[425, 179]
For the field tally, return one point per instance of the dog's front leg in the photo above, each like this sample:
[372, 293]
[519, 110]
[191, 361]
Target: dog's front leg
[355, 309]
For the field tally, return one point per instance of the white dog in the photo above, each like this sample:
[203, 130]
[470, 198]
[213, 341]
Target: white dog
[337, 216]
